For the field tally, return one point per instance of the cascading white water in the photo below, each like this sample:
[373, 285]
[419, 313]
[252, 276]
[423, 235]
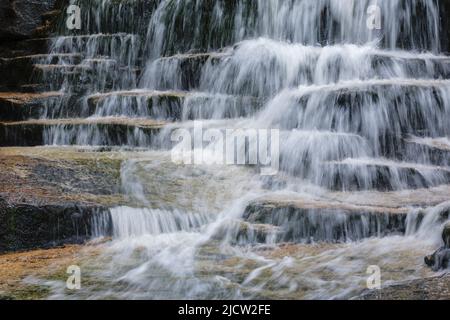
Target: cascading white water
[357, 115]
[178, 26]
[263, 67]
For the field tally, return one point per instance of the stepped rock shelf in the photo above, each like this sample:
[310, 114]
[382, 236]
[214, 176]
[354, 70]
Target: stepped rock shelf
[86, 149]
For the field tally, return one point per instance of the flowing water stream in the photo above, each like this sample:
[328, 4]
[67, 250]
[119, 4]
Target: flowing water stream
[358, 111]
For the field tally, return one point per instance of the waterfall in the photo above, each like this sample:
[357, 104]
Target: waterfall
[131, 222]
[180, 26]
[364, 155]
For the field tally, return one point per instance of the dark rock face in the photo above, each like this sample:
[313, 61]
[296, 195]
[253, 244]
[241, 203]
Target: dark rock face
[439, 260]
[22, 18]
[53, 202]
[445, 25]
[31, 226]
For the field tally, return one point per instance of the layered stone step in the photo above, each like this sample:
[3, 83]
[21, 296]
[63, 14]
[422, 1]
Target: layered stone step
[382, 111]
[24, 47]
[181, 71]
[427, 150]
[344, 160]
[79, 69]
[56, 75]
[122, 47]
[17, 106]
[325, 24]
[380, 174]
[49, 58]
[426, 65]
[95, 131]
[442, 144]
[91, 75]
[172, 105]
[19, 71]
[413, 198]
[51, 196]
[52, 71]
[146, 103]
[305, 219]
[94, 62]
[46, 226]
[336, 146]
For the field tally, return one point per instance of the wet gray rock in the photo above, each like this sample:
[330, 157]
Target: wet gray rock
[441, 258]
[446, 235]
[27, 226]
